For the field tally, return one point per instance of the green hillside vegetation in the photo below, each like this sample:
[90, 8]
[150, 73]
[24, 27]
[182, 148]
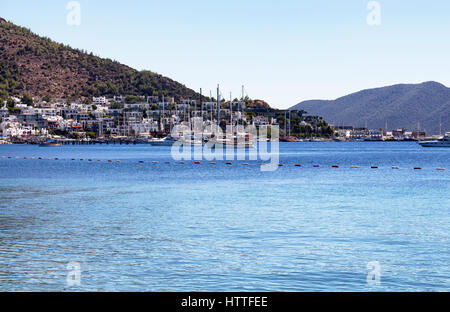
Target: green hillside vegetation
[41, 67]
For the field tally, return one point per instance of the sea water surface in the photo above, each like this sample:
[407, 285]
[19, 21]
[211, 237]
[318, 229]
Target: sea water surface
[200, 227]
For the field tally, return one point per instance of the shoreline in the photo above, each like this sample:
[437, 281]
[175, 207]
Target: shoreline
[136, 142]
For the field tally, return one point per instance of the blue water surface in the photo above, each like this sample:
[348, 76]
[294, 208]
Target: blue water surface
[201, 227]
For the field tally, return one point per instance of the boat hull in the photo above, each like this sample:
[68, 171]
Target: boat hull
[434, 144]
[50, 145]
[161, 143]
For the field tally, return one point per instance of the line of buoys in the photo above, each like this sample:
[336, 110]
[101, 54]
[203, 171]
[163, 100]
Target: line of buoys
[211, 163]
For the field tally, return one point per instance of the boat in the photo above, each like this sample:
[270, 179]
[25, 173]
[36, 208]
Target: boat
[442, 142]
[50, 144]
[289, 139]
[235, 142]
[167, 141]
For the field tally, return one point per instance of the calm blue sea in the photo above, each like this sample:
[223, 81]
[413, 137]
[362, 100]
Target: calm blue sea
[175, 227]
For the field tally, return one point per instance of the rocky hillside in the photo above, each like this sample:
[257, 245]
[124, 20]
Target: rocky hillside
[38, 66]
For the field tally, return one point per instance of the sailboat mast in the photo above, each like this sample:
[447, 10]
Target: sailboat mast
[231, 113]
[201, 104]
[289, 123]
[242, 101]
[162, 120]
[212, 106]
[218, 106]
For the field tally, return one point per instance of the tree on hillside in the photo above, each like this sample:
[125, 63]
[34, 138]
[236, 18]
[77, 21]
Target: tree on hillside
[27, 99]
[10, 102]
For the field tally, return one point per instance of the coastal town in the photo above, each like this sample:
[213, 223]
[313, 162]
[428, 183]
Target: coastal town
[139, 119]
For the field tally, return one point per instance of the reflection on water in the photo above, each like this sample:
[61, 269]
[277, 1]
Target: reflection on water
[173, 227]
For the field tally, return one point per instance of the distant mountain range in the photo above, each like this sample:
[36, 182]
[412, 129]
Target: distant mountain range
[39, 66]
[401, 106]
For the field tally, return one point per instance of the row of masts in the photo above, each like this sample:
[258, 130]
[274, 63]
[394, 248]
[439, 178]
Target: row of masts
[218, 104]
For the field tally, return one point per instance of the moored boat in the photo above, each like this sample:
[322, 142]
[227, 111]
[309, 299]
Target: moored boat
[50, 144]
[167, 141]
[442, 142]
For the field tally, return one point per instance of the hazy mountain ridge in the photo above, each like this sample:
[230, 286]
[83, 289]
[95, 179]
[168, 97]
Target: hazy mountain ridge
[402, 106]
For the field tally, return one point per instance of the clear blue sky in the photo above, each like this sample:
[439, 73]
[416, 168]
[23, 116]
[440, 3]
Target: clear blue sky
[283, 51]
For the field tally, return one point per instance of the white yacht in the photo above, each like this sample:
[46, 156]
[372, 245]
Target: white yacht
[244, 142]
[167, 141]
[444, 142]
